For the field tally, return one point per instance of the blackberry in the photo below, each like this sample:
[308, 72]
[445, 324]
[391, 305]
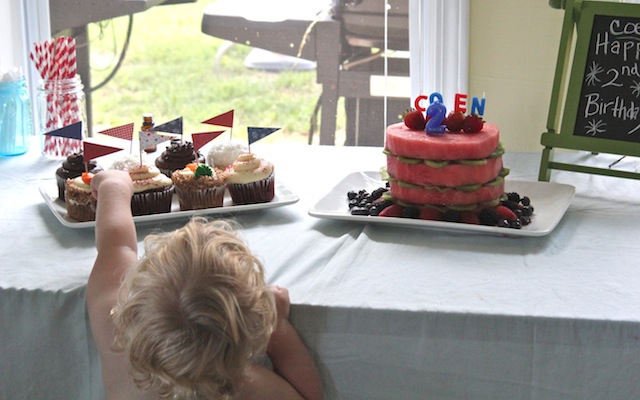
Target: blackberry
[488, 216]
[351, 194]
[513, 196]
[376, 208]
[451, 216]
[376, 194]
[411, 212]
[359, 211]
[527, 211]
[525, 201]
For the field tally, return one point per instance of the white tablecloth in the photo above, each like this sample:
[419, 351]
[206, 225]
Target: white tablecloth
[389, 313]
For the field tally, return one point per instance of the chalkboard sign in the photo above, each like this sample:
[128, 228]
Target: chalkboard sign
[609, 105]
[596, 89]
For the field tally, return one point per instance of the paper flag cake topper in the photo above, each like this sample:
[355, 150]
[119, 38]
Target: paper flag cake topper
[73, 131]
[121, 132]
[200, 139]
[94, 150]
[150, 138]
[256, 133]
[225, 119]
[173, 126]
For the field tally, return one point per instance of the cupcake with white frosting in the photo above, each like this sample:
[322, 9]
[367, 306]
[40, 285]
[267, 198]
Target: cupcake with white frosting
[153, 191]
[250, 180]
[221, 155]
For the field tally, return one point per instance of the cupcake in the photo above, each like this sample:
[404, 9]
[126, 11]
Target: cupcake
[176, 156]
[199, 186]
[73, 167]
[80, 203]
[223, 154]
[153, 191]
[250, 180]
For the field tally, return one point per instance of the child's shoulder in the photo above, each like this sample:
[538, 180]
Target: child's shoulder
[259, 382]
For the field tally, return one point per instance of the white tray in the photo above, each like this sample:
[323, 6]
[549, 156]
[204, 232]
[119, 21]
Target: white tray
[550, 202]
[283, 196]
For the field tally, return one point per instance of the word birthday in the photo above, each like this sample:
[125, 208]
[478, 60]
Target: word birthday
[436, 113]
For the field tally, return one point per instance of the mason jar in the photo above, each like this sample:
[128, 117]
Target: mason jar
[16, 126]
[61, 102]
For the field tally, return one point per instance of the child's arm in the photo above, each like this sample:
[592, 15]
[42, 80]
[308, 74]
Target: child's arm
[290, 358]
[117, 247]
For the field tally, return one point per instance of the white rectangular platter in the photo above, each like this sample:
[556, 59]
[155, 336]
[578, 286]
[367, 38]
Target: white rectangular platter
[550, 201]
[283, 196]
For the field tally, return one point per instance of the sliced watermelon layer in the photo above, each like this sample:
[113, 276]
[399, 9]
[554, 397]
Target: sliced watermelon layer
[449, 175]
[404, 142]
[446, 196]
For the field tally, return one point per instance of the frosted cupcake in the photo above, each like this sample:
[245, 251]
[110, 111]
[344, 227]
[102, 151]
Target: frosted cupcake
[73, 167]
[199, 186]
[251, 179]
[153, 191]
[176, 156]
[80, 203]
[221, 155]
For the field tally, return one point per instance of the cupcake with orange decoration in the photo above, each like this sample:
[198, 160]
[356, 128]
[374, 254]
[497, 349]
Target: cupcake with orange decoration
[80, 203]
[199, 186]
[250, 180]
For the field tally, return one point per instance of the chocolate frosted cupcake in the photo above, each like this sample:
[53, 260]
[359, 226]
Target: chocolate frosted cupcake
[199, 186]
[153, 191]
[251, 180]
[80, 203]
[177, 156]
[73, 167]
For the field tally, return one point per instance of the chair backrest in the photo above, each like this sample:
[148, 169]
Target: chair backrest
[363, 22]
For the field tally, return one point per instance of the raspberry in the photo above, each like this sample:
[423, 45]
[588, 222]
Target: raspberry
[394, 210]
[472, 124]
[430, 214]
[414, 119]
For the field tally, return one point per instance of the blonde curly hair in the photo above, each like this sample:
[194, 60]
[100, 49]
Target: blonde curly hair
[194, 312]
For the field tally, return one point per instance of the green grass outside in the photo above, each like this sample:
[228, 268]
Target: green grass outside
[169, 71]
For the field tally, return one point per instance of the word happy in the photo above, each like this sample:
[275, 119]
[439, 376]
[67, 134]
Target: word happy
[621, 39]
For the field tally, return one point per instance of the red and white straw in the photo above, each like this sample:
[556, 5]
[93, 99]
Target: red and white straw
[55, 59]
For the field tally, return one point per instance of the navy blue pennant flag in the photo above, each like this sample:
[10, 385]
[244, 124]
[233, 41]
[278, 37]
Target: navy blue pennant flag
[73, 131]
[256, 133]
[173, 126]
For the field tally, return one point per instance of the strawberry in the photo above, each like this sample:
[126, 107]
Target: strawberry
[86, 177]
[454, 121]
[505, 212]
[472, 124]
[394, 210]
[414, 119]
[430, 214]
[468, 217]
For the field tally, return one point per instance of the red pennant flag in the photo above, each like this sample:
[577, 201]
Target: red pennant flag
[121, 132]
[225, 119]
[94, 150]
[202, 138]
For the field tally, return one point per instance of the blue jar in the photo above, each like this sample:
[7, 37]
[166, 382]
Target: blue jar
[16, 123]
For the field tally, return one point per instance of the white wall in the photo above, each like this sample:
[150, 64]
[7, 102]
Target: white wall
[513, 52]
[11, 52]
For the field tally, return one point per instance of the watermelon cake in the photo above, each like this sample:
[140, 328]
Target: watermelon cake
[454, 169]
[455, 176]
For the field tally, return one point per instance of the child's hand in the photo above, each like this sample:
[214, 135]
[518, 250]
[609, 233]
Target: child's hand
[121, 177]
[282, 301]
